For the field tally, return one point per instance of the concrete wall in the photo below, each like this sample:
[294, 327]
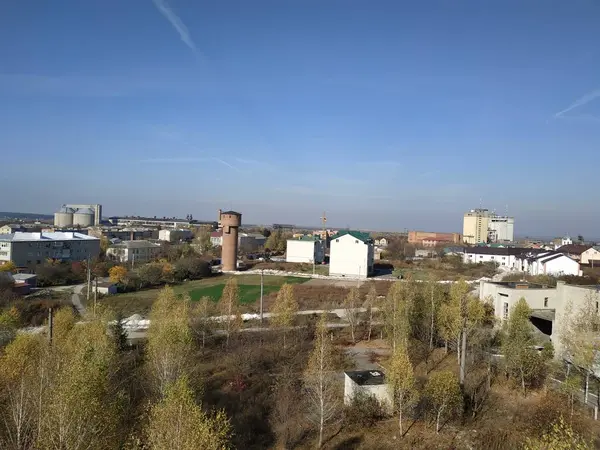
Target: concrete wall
[174, 235]
[504, 297]
[350, 257]
[381, 392]
[501, 260]
[305, 251]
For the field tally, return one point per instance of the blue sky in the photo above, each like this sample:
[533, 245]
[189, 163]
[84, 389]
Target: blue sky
[386, 114]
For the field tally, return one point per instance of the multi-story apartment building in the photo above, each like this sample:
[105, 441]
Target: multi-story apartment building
[27, 249]
[351, 254]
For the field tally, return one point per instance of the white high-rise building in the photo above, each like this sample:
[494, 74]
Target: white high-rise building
[502, 228]
[482, 226]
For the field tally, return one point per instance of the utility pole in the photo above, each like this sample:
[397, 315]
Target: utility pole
[50, 324]
[89, 279]
[261, 295]
[95, 295]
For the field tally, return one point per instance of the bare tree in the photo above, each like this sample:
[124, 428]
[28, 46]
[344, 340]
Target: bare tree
[320, 383]
[285, 309]
[370, 303]
[285, 407]
[351, 305]
[230, 308]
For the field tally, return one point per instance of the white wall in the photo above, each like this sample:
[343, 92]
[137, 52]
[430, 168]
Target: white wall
[350, 257]
[501, 260]
[380, 391]
[305, 251]
[590, 253]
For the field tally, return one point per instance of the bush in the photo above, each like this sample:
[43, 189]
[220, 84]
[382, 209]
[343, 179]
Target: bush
[150, 274]
[191, 268]
[364, 411]
[55, 274]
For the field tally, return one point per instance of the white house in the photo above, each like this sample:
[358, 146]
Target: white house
[503, 256]
[174, 235]
[592, 254]
[307, 249]
[216, 238]
[383, 242]
[351, 254]
[546, 263]
[133, 251]
[368, 382]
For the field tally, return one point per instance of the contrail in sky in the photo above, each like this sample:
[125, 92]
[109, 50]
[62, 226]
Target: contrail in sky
[582, 101]
[179, 26]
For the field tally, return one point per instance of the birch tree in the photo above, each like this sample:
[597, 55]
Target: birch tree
[580, 336]
[229, 305]
[203, 312]
[396, 312]
[20, 396]
[521, 358]
[351, 305]
[444, 395]
[284, 310]
[178, 422]
[560, 437]
[371, 302]
[401, 381]
[170, 343]
[320, 383]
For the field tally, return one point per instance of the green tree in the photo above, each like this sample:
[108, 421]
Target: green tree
[579, 336]
[320, 382]
[560, 437]
[178, 422]
[229, 305]
[284, 309]
[170, 343]
[401, 382]
[10, 320]
[444, 395]
[202, 240]
[397, 311]
[352, 314]
[518, 346]
[150, 274]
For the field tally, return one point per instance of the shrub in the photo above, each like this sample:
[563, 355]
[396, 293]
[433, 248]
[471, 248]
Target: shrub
[364, 411]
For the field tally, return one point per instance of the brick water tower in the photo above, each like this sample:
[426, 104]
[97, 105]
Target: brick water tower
[231, 222]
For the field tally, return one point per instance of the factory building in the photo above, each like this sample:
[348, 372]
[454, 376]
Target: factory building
[483, 226]
[78, 215]
[175, 235]
[27, 249]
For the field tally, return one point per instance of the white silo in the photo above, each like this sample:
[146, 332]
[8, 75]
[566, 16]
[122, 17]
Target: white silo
[63, 217]
[84, 217]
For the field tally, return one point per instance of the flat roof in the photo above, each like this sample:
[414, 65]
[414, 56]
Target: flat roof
[366, 377]
[46, 236]
[522, 285]
[545, 314]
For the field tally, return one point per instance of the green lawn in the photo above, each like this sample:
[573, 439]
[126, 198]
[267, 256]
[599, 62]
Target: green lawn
[249, 293]
[140, 302]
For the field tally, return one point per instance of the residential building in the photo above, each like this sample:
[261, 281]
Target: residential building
[216, 238]
[591, 256]
[351, 254]
[549, 304]
[27, 249]
[574, 251]
[175, 235]
[383, 242]
[431, 239]
[481, 226]
[123, 234]
[367, 382]
[307, 249]
[134, 252]
[503, 256]
[425, 253]
[12, 228]
[544, 262]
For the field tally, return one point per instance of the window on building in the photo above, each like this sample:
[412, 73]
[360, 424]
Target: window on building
[356, 241]
[545, 302]
[337, 240]
[505, 311]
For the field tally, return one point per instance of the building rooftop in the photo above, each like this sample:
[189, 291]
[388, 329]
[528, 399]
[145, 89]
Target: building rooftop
[135, 244]
[307, 238]
[521, 285]
[46, 236]
[234, 213]
[573, 248]
[502, 251]
[365, 237]
[366, 377]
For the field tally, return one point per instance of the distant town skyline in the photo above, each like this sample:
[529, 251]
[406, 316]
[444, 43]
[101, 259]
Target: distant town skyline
[387, 115]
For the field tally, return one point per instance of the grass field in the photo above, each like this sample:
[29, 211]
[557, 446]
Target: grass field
[249, 293]
[140, 302]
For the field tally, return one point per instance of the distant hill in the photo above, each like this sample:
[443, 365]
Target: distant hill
[4, 216]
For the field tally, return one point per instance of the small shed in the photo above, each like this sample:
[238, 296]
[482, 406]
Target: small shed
[369, 382]
[107, 288]
[29, 278]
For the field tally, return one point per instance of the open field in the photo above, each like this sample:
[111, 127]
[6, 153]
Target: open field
[140, 302]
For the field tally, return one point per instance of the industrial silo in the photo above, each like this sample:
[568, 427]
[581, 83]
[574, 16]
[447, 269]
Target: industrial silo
[84, 217]
[63, 217]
